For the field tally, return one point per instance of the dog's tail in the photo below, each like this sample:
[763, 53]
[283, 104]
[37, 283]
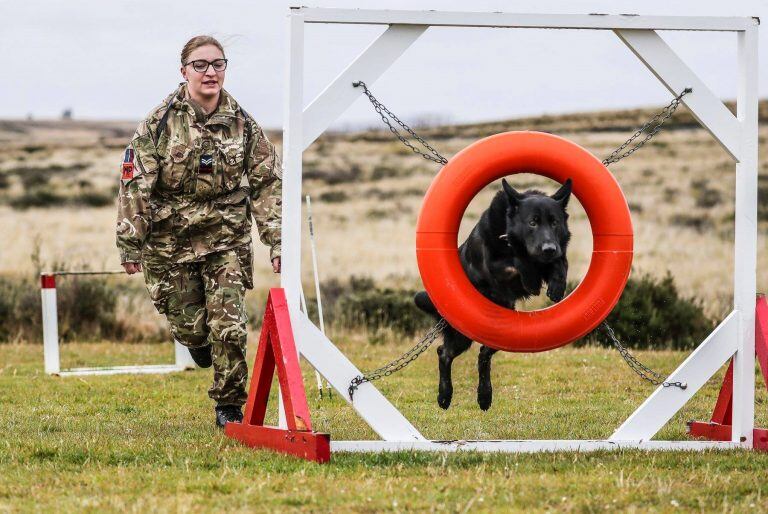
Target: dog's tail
[422, 301]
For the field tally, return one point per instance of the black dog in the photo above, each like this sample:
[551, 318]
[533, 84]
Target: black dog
[519, 243]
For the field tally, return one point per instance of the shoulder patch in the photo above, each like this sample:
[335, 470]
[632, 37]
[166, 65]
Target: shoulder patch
[128, 165]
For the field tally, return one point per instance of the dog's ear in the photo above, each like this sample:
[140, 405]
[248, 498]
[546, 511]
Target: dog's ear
[563, 194]
[513, 196]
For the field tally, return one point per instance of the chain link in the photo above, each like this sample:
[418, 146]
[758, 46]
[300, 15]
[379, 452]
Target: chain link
[651, 128]
[385, 114]
[638, 367]
[401, 362]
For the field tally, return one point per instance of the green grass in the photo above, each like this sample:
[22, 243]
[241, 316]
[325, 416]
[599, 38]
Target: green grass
[147, 443]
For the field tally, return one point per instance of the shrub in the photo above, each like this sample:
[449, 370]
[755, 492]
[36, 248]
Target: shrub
[699, 223]
[93, 199]
[334, 196]
[37, 197]
[652, 314]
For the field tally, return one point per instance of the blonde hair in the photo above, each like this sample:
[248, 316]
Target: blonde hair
[196, 42]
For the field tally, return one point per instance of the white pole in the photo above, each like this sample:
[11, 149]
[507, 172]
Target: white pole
[50, 324]
[183, 358]
[317, 289]
[318, 377]
[745, 245]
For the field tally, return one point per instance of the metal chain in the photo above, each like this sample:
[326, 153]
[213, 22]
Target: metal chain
[656, 122]
[638, 367]
[401, 362]
[385, 114]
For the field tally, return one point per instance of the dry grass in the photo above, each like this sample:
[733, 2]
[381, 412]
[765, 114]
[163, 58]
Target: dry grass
[680, 189]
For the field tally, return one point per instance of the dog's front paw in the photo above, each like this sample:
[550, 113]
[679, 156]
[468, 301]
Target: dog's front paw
[444, 397]
[531, 286]
[556, 291]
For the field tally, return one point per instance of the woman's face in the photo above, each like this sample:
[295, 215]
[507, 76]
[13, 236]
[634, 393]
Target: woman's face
[206, 84]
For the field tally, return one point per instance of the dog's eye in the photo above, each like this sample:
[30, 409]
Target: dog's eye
[554, 222]
[532, 223]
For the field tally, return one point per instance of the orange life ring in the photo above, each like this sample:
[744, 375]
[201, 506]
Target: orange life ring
[456, 298]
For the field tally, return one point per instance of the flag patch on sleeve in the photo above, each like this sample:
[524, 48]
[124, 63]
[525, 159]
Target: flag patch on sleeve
[128, 164]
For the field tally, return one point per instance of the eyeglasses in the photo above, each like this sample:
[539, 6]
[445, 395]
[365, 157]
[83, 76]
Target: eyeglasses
[201, 65]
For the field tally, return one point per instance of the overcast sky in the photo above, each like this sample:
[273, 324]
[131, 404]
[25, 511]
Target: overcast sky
[117, 59]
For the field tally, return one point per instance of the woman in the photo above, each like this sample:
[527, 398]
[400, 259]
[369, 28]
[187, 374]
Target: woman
[196, 170]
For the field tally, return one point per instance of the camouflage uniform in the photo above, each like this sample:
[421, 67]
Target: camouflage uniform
[187, 193]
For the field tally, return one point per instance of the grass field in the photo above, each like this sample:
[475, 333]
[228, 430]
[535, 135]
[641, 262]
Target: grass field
[147, 443]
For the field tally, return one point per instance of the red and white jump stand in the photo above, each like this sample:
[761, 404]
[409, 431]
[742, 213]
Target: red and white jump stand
[51, 337]
[734, 337]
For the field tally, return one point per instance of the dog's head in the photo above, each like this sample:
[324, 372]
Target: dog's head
[537, 222]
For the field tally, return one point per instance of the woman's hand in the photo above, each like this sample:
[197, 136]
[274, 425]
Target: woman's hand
[276, 264]
[133, 267]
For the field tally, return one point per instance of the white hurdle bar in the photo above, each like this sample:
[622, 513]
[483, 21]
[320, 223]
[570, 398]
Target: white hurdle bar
[52, 358]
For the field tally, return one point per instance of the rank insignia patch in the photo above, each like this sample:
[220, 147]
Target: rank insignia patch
[128, 164]
[206, 163]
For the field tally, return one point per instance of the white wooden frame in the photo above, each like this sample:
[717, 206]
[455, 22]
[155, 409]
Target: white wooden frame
[736, 134]
[51, 357]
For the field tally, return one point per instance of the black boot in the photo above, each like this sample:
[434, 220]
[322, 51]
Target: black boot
[228, 413]
[202, 356]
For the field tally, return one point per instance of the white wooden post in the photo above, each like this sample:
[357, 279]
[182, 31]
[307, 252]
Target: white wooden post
[745, 246]
[50, 324]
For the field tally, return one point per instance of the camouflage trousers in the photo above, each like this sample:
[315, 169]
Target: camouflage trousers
[204, 303]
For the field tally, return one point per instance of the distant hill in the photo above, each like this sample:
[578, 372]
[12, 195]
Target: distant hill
[15, 133]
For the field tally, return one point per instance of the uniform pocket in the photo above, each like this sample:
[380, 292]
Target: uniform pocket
[177, 165]
[245, 258]
[161, 241]
[233, 209]
[158, 287]
[231, 156]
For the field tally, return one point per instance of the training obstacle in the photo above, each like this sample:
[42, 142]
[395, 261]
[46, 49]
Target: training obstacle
[733, 338]
[277, 349]
[720, 426]
[51, 354]
[437, 229]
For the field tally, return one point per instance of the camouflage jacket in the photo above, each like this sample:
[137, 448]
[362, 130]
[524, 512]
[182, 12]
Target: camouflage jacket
[191, 189]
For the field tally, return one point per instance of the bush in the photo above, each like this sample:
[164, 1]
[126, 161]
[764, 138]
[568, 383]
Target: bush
[37, 197]
[334, 196]
[360, 303]
[651, 314]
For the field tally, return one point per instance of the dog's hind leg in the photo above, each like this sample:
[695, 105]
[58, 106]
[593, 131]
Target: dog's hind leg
[454, 344]
[423, 302]
[484, 386]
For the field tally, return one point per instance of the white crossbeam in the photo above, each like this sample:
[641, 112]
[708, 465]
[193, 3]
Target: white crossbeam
[383, 417]
[672, 71]
[368, 67]
[521, 20]
[664, 403]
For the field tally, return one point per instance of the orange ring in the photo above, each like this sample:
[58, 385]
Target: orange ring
[456, 298]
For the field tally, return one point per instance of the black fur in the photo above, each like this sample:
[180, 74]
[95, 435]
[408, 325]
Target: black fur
[518, 245]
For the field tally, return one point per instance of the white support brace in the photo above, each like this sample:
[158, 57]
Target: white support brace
[704, 362]
[368, 67]
[388, 422]
[665, 64]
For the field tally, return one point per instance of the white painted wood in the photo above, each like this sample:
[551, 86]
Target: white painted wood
[528, 446]
[290, 276]
[121, 370]
[665, 64]
[522, 20]
[664, 403]
[745, 246]
[383, 417]
[636, 32]
[50, 331]
[368, 67]
[183, 358]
